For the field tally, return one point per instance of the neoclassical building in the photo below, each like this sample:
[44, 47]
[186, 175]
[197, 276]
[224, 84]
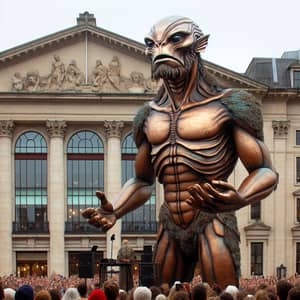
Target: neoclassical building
[67, 103]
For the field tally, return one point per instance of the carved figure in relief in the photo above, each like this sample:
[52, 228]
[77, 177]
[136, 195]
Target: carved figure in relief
[114, 73]
[58, 72]
[17, 82]
[74, 77]
[190, 137]
[32, 81]
[137, 84]
[99, 76]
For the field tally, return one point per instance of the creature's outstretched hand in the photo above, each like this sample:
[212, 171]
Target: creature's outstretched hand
[102, 216]
[215, 197]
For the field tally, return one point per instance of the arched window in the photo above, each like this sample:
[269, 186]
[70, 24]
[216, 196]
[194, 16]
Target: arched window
[31, 183]
[143, 219]
[85, 177]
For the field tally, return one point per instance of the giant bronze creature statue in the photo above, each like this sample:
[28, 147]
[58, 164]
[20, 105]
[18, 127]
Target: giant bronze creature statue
[190, 137]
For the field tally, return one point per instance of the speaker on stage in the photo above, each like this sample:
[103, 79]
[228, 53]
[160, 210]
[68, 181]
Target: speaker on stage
[147, 272]
[86, 265]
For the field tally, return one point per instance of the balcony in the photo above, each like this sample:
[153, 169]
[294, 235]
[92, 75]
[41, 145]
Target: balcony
[81, 228]
[139, 227]
[30, 227]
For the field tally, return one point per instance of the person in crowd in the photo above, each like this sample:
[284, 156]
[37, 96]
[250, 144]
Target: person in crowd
[180, 295]
[82, 290]
[161, 297]
[42, 295]
[111, 290]
[55, 294]
[226, 296]
[71, 294]
[9, 294]
[294, 293]
[142, 293]
[155, 290]
[1, 292]
[282, 289]
[97, 294]
[232, 290]
[199, 292]
[25, 292]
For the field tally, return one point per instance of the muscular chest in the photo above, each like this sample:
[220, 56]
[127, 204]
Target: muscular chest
[196, 123]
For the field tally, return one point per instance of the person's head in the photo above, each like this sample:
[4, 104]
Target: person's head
[25, 292]
[226, 296]
[199, 292]
[262, 295]
[165, 288]
[155, 290]
[111, 289]
[232, 290]
[9, 294]
[180, 295]
[82, 289]
[42, 295]
[71, 294]
[122, 294]
[142, 293]
[125, 242]
[294, 293]
[97, 294]
[161, 297]
[282, 289]
[55, 294]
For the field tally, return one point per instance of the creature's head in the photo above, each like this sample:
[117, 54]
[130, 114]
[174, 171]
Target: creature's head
[174, 44]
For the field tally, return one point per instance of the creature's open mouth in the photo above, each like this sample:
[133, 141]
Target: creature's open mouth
[163, 58]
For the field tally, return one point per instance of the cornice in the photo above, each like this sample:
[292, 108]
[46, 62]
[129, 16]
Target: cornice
[75, 97]
[234, 76]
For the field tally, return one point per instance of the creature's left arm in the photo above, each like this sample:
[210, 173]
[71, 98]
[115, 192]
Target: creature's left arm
[220, 196]
[262, 178]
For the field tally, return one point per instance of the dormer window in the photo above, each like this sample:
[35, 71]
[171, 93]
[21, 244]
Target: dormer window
[296, 79]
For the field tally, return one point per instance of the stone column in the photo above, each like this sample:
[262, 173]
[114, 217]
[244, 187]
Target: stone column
[56, 198]
[280, 215]
[113, 173]
[6, 196]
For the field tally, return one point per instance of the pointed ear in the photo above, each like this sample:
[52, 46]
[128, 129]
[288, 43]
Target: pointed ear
[201, 44]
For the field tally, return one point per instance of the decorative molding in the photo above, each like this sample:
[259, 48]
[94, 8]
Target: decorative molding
[113, 128]
[280, 128]
[6, 127]
[257, 230]
[56, 128]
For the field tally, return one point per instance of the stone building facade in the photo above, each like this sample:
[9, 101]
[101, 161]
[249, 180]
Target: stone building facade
[67, 103]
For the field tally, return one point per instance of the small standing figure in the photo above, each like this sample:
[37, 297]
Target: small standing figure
[126, 255]
[114, 73]
[17, 82]
[99, 76]
[73, 75]
[58, 72]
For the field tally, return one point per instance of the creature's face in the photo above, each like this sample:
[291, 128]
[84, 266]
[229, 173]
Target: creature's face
[172, 39]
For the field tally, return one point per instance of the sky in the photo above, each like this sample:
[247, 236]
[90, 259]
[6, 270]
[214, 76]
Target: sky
[239, 29]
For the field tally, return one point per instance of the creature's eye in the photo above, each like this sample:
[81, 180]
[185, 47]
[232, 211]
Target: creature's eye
[177, 37]
[149, 43]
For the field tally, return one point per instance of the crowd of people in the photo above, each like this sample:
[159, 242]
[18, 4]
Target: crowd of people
[58, 287]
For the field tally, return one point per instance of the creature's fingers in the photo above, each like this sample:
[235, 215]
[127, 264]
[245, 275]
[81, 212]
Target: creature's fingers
[88, 212]
[223, 185]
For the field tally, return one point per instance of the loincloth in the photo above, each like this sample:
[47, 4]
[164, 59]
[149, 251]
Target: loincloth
[187, 238]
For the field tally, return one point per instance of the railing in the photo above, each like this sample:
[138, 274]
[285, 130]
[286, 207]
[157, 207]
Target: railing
[79, 228]
[138, 227]
[30, 227]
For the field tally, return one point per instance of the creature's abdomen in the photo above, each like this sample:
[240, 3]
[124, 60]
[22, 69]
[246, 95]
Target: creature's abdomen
[189, 147]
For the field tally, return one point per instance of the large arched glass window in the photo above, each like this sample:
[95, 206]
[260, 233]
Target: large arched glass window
[31, 183]
[143, 219]
[85, 177]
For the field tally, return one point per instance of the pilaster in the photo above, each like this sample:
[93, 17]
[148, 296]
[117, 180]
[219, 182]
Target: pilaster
[6, 195]
[113, 178]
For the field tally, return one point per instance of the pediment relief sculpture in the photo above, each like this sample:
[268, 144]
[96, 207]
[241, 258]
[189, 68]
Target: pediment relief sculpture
[107, 79]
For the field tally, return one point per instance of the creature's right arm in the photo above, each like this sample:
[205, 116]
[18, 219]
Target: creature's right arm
[137, 190]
